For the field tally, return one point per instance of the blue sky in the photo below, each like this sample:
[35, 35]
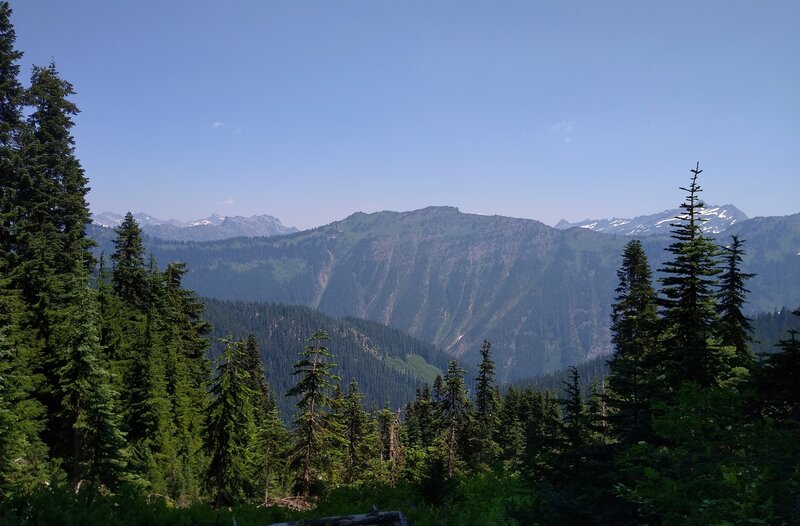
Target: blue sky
[310, 111]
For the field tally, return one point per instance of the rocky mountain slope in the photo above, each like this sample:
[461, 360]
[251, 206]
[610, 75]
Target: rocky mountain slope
[541, 295]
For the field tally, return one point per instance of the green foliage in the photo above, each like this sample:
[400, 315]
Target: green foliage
[229, 429]
[386, 363]
[634, 325]
[315, 433]
[688, 300]
[734, 327]
[129, 277]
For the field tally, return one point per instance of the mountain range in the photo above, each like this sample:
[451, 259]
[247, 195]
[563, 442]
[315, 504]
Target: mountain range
[716, 220]
[540, 294]
[212, 228]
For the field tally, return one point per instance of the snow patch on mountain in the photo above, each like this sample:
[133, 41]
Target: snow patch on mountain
[212, 228]
[716, 219]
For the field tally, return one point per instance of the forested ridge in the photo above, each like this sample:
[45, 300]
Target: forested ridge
[112, 413]
[543, 295]
[387, 363]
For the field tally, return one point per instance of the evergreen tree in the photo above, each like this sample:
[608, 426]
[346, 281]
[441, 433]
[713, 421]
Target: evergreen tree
[688, 299]
[270, 434]
[454, 410]
[50, 155]
[356, 429]
[778, 381]
[184, 339]
[734, 327]
[487, 410]
[313, 433]
[129, 275]
[634, 334]
[574, 419]
[85, 423]
[229, 429]
[22, 453]
[12, 96]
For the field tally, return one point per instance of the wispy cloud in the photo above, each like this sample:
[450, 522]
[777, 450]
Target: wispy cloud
[227, 202]
[218, 124]
[564, 129]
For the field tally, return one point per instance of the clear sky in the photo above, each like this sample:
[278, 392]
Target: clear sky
[310, 111]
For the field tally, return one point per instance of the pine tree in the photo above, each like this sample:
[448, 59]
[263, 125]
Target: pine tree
[688, 299]
[355, 425]
[574, 419]
[312, 428]
[12, 96]
[85, 423]
[454, 411]
[634, 328]
[183, 342]
[22, 453]
[734, 328]
[270, 435]
[229, 429]
[487, 409]
[129, 276]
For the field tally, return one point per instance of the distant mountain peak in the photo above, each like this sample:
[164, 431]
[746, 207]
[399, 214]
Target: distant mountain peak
[212, 228]
[717, 219]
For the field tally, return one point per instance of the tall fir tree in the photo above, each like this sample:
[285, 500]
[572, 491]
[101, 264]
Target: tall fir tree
[183, 339]
[454, 415]
[734, 328]
[575, 423]
[129, 275]
[22, 452]
[85, 423]
[484, 447]
[634, 322]
[313, 434]
[229, 429]
[688, 301]
[12, 127]
[356, 428]
[271, 440]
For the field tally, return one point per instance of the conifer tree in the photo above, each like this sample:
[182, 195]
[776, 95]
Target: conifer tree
[688, 300]
[22, 453]
[182, 337]
[312, 428]
[487, 410]
[85, 423]
[734, 327]
[454, 411]
[356, 429]
[634, 334]
[574, 418]
[270, 434]
[778, 381]
[12, 124]
[229, 429]
[129, 275]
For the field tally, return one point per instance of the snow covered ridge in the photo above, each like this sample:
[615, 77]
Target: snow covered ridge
[211, 228]
[716, 220]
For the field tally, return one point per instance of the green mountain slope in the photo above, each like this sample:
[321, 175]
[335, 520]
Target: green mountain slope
[541, 295]
[387, 363]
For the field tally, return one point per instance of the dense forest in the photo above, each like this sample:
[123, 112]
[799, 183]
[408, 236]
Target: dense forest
[111, 411]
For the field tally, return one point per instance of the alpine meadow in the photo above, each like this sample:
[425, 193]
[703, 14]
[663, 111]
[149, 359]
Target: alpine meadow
[421, 367]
